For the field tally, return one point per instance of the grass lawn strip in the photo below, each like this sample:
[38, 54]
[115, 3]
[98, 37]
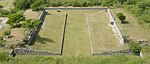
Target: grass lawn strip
[103, 38]
[49, 38]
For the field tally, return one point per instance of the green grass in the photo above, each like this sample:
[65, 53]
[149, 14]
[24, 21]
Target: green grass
[76, 36]
[50, 35]
[133, 29]
[102, 37]
[146, 51]
[115, 59]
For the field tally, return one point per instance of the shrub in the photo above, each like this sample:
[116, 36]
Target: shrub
[135, 47]
[121, 17]
[126, 39]
[1, 40]
[1, 6]
[7, 33]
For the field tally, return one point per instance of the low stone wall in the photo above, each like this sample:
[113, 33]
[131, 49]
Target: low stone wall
[115, 28]
[125, 51]
[143, 43]
[4, 46]
[34, 33]
[63, 34]
[26, 51]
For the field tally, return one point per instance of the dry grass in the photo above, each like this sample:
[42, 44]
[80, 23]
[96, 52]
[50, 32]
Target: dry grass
[31, 14]
[17, 36]
[76, 36]
[102, 37]
[133, 29]
[50, 35]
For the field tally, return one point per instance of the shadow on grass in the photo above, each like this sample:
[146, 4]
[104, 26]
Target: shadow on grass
[125, 22]
[48, 13]
[43, 40]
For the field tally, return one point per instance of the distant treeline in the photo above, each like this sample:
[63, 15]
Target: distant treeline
[140, 8]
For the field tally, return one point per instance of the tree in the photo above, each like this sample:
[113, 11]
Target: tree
[39, 4]
[107, 2]
[121, 17]
[30, 24]
[21, 4]
[15, 19]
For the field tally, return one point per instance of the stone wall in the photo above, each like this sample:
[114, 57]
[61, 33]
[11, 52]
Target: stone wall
[124, 51]
[26, 51]
[115, 28]
[63, 34]
[34, 33]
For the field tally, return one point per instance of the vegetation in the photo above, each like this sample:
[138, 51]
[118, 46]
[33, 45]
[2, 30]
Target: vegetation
[3, 57]
[135, 47]
[141, 8]
[34, 4]
[7, 33]
[15, 19]
[38, 59]
[1, 40]
[4, 13]
[30, 24]
[121, 17]
[49, 37]
[1, 6]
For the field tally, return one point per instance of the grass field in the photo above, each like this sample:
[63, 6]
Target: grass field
[133, 29]
[76, 41]
[50, 35]
[102, 37]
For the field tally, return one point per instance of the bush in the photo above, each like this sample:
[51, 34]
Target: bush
[4, 13]
[126, 39]
[1, 40]
[121, 17]
[1, 6]
[135, 47]
[7, 33]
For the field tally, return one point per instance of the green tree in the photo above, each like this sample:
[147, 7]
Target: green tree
[121, 17]
[107, 2]
[15, 19]
[40, 4]
[21, 4]
[30, 24]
